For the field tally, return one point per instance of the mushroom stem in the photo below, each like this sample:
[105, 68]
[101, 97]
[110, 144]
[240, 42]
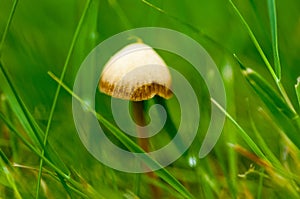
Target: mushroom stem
[143, 141]
[139, 118]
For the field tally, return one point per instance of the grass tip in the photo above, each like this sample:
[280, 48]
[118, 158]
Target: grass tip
[231, 145]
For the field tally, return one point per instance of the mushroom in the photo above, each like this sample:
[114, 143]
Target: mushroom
[137, 73]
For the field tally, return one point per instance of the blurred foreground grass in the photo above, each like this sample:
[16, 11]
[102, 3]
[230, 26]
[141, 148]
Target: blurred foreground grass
[40, 38]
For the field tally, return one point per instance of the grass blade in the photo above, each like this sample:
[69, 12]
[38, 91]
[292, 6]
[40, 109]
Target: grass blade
[242, 133]
[18, 106]
[57, 93]
[228, 162]
[12, 12]
[132, 146]
[265, 91]
[258, 156]
[260, 184]
[121, 14]
[276, 105]
[255, 42]
[74, 185]
[26, 119]
[297, 88]
[195, 29]
[265, 148]
[4, 164]
[263, 56]
[273, 23]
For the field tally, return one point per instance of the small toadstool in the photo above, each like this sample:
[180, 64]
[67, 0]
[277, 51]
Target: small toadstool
[137, 73]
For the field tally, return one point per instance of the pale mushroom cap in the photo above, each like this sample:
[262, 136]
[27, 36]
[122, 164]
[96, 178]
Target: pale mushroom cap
[136, 73]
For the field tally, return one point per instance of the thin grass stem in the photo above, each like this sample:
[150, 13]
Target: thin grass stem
[12, 12]
[243, 133]
[75, 36]
[273, 24]
[263, 56]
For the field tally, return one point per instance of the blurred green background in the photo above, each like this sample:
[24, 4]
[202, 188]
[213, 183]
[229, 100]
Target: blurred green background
[39, 39]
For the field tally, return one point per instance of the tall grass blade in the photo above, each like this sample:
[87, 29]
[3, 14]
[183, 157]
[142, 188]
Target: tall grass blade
[265, 91]
[276, 105]
[230, 162]
[5, 169]
[242, 133]
[75, 36]
[12, 12]
[273, 24]
[121, 14]
[255, 42]
[263, 56]
[265, 148]
[26, 119]
[74, 185]
[297, 88]
[260, 184]
[4, 158]
[17, 105]
[264, 160]
[193, 28]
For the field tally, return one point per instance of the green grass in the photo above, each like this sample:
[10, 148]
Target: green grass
[253, 44]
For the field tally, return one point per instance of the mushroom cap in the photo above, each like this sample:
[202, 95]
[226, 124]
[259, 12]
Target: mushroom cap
[136, 73]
